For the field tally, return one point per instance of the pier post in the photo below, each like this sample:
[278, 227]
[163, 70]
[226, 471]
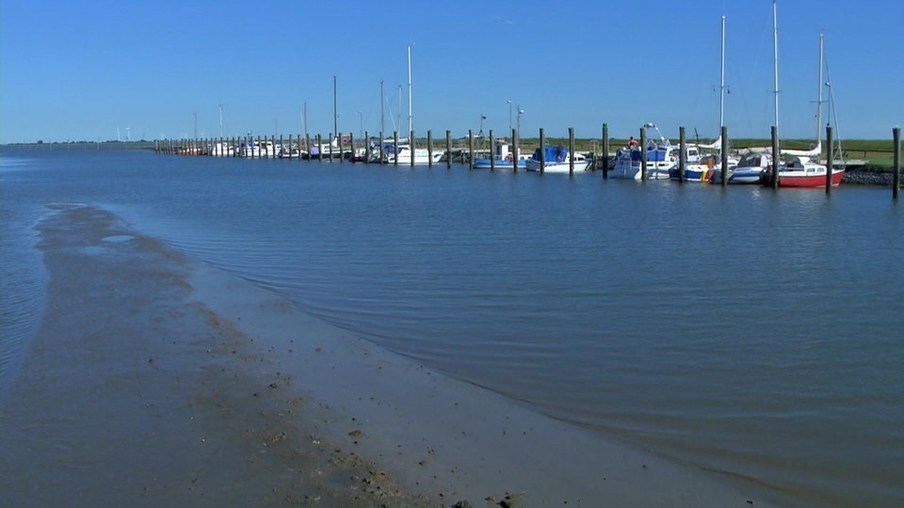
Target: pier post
[429, 148]
[448, 149]
[367, 153]
[724, 156]
[571, 151]
[776, 157]
[516, 142]
[412, 146]
[335, 136]
[605, 151]
[382, 149]
[829, 160]
[351, 146]
[395, 147]
[896, 176]
[319, 148]
[281, 146]
[542, 150]
[492, 151]
[643, 154]
[682, 154]
[272, 145]
[470, 149]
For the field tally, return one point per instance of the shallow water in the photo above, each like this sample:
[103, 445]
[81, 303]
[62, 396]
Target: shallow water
[746, 331]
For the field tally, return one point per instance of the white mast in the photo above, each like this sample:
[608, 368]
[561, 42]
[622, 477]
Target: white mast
[410, 119]
[775, 61]
[722, 82]
[819, 99]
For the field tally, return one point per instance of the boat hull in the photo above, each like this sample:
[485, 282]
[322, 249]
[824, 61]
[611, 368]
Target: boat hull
[497, 164]
[700, 174]
[800, 179]
[557, 167]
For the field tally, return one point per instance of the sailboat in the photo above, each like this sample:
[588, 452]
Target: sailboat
[802, 167]
[706, 169]
[407, 149]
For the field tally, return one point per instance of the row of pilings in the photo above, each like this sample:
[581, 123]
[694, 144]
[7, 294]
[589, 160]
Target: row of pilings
[343, 147]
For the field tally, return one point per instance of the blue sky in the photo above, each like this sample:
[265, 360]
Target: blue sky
[91, 69]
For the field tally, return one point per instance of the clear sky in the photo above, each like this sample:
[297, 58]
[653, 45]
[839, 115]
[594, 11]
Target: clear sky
[95, 70]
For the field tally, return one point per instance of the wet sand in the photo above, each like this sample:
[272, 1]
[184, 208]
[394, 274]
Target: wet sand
[156, 380]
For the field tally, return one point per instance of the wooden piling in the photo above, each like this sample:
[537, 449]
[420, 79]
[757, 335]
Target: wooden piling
[331, 145]
[896, 177]
[643, 154]
[382, 150]
[492, 151]
[682, 154]
[470, 149]
[367, 153]
[395, 147]
[351, 146]
[776, 157]
[412, 145]
[605, 151]
[516, 142]
[828, 160]
[319, 148]
[723, 154]
[448, 149]
[273, 145]
[542, 150]
[571, 151]
[429, 148]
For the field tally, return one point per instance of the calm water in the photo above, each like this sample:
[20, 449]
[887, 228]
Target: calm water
[751, 332]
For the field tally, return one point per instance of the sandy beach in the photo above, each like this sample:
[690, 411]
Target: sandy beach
[157, 380]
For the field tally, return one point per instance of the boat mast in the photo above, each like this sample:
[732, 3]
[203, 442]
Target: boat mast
[382, 120]
[410, 119]
[335, 114]
[722, 82]
[775, 65]
[819, 100]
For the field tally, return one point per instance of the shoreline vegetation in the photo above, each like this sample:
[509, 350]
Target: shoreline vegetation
[156, 380]
[878, 153]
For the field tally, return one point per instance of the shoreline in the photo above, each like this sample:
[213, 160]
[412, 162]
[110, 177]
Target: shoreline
[155, 379]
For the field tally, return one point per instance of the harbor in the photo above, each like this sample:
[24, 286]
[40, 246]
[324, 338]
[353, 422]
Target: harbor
[675, 161]
[578, 298]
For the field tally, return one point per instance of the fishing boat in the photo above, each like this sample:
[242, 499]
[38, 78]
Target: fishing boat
[557, 159]
[661, 155]
[501, 158]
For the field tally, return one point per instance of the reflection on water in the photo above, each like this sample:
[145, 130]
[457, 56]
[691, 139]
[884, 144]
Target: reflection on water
[737, 328]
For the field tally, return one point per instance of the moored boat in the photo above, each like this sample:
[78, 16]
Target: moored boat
[557, 159]
[661, 157]
[501, 158]
[803, 173]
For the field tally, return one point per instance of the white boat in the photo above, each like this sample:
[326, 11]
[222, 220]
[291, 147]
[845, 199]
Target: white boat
[557, 159]
[662, 156]
[421, 155]
[260, 149]
[751, 168]
[222, 149]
